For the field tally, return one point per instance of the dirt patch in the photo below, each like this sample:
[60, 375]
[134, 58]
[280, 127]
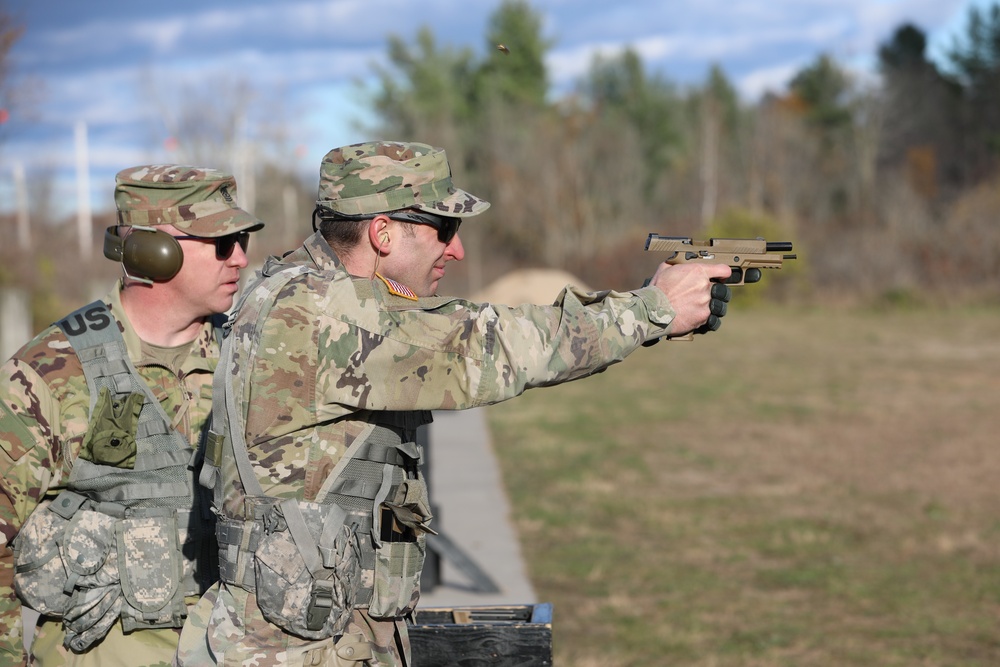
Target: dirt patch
[536, 286]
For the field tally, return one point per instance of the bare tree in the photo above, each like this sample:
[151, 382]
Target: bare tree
[10, 32]
[231, 125]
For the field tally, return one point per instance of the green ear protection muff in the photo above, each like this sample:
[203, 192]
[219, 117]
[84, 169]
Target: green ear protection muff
[146, 254]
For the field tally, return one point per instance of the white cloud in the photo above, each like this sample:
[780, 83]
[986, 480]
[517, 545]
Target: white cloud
[761, 45]
[769, 79]
[307, 51]
[164, 35]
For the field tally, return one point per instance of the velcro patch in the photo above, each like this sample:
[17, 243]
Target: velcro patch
[17, 438]
[397, 288]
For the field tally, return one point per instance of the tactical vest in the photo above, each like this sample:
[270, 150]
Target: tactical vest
[361, 544]
[124, 539]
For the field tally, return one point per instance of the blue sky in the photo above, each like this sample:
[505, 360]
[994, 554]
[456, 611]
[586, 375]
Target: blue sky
[119, 66]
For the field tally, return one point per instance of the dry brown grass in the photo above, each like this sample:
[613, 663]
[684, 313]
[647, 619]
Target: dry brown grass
[807, 488]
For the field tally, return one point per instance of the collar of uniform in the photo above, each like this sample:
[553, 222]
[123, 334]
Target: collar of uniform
[132, 342]
[204, 354]
[204, 350]
[322, 254]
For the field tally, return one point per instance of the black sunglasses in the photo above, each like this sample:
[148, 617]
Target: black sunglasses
[224, 245]
[446, 227]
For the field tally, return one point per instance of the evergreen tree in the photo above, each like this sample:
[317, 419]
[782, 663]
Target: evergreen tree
[824, 88]
[425, 89]
[975, 64]
[919, 109]
[514, 70]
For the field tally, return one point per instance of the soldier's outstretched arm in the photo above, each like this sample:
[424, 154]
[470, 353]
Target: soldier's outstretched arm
[446, 353]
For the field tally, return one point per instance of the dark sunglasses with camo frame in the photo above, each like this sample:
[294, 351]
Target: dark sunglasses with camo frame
[446, 226]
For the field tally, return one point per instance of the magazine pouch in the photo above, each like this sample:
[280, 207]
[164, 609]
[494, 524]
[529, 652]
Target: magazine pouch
[400, 553]
[153, 595]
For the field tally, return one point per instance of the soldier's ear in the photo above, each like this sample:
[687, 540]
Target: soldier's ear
[378, 233]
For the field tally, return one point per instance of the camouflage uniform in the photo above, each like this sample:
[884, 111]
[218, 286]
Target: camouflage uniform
[45, 411]
[336, 349]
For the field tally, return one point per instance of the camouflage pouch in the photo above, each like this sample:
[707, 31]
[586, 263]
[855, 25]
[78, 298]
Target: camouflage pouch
[39, 576]
[110, 438]
[149, 560]
[296, 590]
[68, 568]
[91, 562]
[399, 558]
[91, 614]
[397, 578]
[86, 546]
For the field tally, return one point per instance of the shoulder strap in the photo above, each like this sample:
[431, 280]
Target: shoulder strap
[227, 413]
[93, 333]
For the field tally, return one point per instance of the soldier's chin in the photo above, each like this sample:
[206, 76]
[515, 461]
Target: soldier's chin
[225, 303]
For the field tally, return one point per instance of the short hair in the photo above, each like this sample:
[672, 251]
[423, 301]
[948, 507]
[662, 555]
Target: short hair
[342, 233]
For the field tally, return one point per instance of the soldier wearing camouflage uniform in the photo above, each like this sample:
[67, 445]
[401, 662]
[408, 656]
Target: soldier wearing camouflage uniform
[338, 351]
[98, 442]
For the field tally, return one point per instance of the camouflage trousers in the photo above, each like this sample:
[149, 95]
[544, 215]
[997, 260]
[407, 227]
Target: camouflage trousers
[141, 648]
[226, 628]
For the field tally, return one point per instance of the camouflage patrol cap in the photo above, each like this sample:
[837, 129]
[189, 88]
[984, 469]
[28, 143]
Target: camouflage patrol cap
[199, 201]
[382, 176]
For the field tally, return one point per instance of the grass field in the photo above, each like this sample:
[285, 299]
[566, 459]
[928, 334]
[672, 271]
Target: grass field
[796, 489]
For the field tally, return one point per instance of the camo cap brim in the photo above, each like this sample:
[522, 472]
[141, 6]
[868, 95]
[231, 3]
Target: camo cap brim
[382, 176]
[197, 200]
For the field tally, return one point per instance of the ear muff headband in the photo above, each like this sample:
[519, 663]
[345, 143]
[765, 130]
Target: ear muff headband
[145, 253]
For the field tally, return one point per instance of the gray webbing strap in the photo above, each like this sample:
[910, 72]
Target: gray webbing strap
[331, 527]
[300, 535]
[224, 398]
[102, 352]
[380, 498]
[358, 443]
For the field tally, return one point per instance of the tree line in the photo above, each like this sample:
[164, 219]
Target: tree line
[887, 186]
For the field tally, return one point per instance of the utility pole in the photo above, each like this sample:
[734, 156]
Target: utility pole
[243, 160]
[21, 197]
[291, 205]
[83, 218]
